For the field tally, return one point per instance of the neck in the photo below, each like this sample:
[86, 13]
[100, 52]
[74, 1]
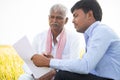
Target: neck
[55, 34]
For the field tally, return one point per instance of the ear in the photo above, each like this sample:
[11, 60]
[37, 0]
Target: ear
[66, 20]
[90, 14]
[48, 17]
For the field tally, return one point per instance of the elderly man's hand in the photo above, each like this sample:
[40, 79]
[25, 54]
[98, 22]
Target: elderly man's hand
[48, 55]
[48, 76]
[40, 60]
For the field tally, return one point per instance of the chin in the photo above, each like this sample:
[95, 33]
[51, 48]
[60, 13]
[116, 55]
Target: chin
[78, 30]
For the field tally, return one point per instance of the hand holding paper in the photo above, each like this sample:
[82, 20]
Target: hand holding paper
[25, 51]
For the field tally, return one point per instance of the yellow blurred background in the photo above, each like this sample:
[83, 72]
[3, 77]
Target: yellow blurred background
[10, 63]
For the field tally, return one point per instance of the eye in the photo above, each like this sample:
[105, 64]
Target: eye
[56, 17]
[52, 17]
[59, 17]
[75, 15]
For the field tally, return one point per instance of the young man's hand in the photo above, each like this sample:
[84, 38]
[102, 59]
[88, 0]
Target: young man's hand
[40, 60]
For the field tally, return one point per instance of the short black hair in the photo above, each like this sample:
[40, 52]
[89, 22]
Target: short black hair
[87, 5]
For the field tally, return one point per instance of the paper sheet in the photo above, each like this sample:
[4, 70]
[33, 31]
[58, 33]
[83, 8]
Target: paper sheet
[25, 51]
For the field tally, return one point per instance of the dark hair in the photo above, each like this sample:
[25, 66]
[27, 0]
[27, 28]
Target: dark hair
[87, 5]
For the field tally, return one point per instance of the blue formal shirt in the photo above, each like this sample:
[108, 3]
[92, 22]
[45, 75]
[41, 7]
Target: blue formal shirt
[102, 57]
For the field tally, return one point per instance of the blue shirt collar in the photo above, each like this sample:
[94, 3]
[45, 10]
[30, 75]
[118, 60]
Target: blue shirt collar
[91, 28]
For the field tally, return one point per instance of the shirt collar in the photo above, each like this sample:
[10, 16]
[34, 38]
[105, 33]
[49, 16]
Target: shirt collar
[58, 37]
[88, 32]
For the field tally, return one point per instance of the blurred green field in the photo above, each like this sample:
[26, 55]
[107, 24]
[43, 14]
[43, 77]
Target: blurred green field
[10, 63]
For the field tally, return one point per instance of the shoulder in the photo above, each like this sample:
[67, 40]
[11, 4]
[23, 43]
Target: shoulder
[103, 29]
[73, 34]
[75, 37]
[41, 35]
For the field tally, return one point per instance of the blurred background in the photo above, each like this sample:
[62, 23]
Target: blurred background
[29, 17]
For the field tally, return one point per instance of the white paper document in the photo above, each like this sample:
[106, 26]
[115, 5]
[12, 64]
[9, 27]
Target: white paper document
[25, 51]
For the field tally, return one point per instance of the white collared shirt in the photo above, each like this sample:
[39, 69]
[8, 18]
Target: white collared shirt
[73, 46]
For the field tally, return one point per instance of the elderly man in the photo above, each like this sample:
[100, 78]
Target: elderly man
[57, 42]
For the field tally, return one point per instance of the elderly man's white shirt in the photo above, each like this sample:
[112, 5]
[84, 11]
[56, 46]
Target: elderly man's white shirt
[73, 46]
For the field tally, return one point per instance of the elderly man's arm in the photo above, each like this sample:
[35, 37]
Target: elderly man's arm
[48, 76]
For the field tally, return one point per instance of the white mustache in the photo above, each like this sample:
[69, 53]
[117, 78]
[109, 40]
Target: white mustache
[55, 24]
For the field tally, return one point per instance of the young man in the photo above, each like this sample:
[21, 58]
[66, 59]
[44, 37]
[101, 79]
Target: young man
[102, 58]
[57, 42]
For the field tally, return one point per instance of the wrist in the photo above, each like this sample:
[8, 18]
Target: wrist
[48, 62]
[53, 71]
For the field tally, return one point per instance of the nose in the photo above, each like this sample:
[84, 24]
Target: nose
[54, 19]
